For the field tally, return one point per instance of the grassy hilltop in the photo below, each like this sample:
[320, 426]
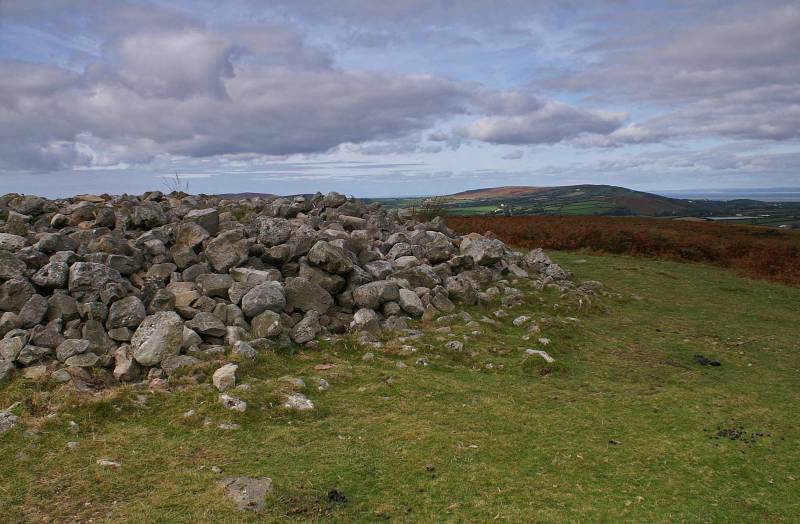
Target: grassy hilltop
[626, 426]
[603, 200]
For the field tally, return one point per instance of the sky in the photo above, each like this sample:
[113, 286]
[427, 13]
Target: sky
[398, 97]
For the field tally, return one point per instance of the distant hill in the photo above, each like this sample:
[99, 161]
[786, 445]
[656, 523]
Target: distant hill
[239, 196]
[605, 200]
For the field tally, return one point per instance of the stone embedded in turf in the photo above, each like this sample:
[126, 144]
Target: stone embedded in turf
[248, 493]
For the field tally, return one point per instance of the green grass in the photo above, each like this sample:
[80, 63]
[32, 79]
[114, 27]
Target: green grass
[618, 430]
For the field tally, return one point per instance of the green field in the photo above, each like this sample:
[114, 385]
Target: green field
[625, 427]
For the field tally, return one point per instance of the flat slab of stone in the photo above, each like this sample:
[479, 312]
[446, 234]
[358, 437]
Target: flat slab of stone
[248, 493]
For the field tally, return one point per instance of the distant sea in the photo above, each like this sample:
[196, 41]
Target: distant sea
[771, 194]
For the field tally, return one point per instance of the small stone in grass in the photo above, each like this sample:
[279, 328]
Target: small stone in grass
[298, 401]
[107, 463]
[455, 345]
[233, 403]
[248, 493]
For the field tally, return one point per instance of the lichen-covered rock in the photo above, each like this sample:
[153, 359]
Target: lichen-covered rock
[273, 231]
[127, 312]
[71, 347]
[411, 303]
[248, 493]
[374, 294]
[484, 251]
[227, 250]
[207, 324]
[330, 258]
[52, 275]
[306, 330]
[157, 337]
[224, 378]
[267, 296]
[11, 242]
[305, 295]
[86, 279]
[207, 218]
[11, 266]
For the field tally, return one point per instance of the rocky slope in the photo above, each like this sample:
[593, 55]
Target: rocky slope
[97, 290]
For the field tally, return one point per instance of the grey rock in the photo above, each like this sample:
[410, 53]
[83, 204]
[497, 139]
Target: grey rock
[8, 321]
[455, 345]
[442, 303]
[233, 403]
[374, 294]
[227, 250]
[173, 363]
[157, 337]
[31, 354]
[14, 293]
[6, 368]
[10, 346]
[333, 199]
[88, 278]
[148, 215]
[273, 231]
[268, 296]
[366, 320]
[52, 275]
[98, 338]
[11, 266]
[266, 324]
[125, 367]
[306, 330]
[60, 376]
[298, 402]
[248, 493]
[379, 269]
[71, 347]
[127, 312]
[33, 311]
[8, 421]
[330, 258]
[11, 242]
[484, 251]
[84, 360]
[190, 234]
[214, 285]
[207, 324]
[243, 349]
[304, 295]
[224, 378]
[461, 290]
[207, 218]
[411, 303]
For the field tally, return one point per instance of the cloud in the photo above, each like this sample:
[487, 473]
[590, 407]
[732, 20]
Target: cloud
[543, 123]
[733, 73]
[170, 64]
[199, 93]
[513, 155]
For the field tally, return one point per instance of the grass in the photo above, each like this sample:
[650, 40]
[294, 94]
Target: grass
[618, 430]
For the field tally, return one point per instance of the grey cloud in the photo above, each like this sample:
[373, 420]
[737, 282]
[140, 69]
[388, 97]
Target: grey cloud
[734, 73]
[550, 123]
[180, 94]
[513, 155]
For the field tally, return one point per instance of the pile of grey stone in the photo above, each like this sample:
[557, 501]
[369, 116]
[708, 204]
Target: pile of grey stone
[101, 289]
